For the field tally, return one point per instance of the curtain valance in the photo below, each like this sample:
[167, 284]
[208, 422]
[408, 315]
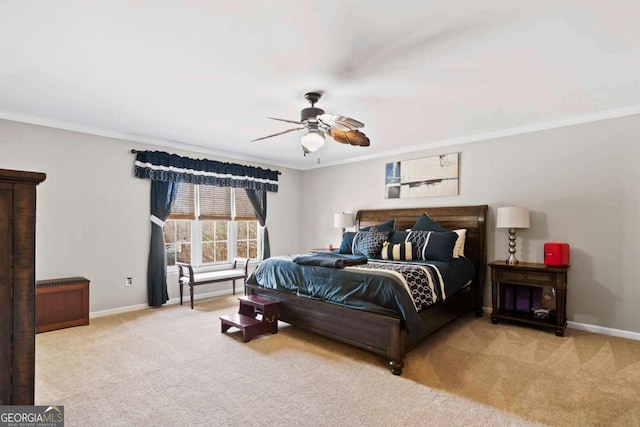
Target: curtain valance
[161, 166]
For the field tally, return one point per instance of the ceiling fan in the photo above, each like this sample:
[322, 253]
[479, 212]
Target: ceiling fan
[317, 123]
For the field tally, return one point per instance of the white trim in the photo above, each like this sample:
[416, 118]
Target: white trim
[148, 165]
[58, 124]
[602, 330]
[172, 301]
[536, 127]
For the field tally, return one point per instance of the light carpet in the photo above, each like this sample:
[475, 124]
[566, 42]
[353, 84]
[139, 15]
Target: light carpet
[172, 367]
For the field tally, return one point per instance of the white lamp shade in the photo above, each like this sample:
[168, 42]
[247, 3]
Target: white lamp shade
[313, 140]
[343, 220]
[512, 217]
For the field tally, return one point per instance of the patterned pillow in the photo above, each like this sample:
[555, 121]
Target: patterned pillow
[426, 223]
[368, 243]
[433, 245]
[398, 252]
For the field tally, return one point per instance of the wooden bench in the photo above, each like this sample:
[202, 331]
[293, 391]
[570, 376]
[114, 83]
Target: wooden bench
[186, 276]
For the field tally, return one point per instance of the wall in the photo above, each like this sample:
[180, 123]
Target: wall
[580, 184]
[93, 214]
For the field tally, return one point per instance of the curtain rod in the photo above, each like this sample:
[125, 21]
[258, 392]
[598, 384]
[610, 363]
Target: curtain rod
[134, 151]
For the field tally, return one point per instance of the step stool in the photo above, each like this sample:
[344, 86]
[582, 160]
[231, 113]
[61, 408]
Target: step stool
[246, 321]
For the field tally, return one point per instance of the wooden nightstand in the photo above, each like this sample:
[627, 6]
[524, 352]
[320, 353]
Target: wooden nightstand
[518, 290]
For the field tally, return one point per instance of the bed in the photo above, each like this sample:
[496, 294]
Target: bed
[386, 333]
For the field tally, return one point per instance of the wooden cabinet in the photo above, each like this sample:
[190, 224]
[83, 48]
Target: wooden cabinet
[17, 285]
[530, 293]
[61, 303]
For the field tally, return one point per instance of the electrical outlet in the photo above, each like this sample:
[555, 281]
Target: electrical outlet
[128, 281]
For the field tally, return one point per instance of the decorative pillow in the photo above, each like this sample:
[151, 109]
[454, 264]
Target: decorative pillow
[368, 243]
[398, 252]
[385, 227]
[426, 223]
[347, 243]
[458, 249]
[433, 245]
[399, 236]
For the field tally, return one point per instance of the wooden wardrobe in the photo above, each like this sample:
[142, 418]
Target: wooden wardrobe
[17, 285]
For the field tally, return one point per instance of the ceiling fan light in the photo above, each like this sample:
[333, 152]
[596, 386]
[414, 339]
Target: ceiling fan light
[313, 140]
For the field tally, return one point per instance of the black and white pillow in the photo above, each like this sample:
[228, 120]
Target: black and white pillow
[397, 252]
[368, 243]
[433, 245]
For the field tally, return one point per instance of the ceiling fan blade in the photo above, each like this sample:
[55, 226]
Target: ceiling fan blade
[340, 122]
[285, 120]
[353, 137]
[280, 133]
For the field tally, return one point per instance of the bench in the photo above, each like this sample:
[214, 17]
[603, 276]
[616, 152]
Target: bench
[186, 276]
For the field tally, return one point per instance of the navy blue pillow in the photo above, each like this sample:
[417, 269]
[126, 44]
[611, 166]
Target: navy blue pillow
[433, 245]
[398, 237]
[347, 243]
[426, 223]
[385, 227]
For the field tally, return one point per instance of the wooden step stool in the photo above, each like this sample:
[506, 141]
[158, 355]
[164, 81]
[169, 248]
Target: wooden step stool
[245, 319]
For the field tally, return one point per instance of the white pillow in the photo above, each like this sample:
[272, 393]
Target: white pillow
[458, 249]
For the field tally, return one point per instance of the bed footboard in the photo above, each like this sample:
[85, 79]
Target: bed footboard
[378, 333]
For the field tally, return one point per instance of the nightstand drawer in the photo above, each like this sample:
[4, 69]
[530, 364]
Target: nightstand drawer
[525, 278]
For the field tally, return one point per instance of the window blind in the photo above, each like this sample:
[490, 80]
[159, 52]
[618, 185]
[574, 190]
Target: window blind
[244, 209]
[215, 202]
[184, 205]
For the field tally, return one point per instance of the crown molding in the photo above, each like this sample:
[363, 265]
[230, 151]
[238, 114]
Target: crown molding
[518, 130]
[57, 124]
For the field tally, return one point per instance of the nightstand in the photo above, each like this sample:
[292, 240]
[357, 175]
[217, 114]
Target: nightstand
[530, 293]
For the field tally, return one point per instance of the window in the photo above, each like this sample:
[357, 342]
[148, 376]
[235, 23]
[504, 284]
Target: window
[210, 225]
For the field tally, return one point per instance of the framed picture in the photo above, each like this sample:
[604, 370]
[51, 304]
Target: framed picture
[427, 177]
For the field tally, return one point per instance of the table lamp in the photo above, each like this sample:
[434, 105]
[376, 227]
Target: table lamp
[343, 220]
[512, 218]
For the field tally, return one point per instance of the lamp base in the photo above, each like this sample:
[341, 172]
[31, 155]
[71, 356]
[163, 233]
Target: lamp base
[512, 247]
[512, 260]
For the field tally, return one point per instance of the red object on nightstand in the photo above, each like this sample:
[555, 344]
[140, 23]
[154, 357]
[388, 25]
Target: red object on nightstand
[556, 254]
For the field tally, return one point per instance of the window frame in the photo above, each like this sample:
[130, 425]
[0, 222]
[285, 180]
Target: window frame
[232, 234]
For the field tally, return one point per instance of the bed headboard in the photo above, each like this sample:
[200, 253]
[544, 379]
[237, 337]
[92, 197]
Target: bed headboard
[472, 218]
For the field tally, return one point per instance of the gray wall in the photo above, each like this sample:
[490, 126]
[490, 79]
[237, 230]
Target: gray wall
[580, 184]
[93, 214]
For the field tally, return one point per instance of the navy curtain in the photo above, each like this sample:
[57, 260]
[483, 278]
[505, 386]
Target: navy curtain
[165, 171]
[258, 199]
[163, 193]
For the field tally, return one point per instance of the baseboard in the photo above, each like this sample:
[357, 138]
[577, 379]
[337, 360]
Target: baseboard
[594, 328]
[604, 331]
[176, 300]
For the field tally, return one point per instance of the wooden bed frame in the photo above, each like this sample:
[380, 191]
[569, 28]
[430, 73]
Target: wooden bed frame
[385, 334]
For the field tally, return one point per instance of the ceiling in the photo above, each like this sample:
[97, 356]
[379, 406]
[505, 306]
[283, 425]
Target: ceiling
[419, 74]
